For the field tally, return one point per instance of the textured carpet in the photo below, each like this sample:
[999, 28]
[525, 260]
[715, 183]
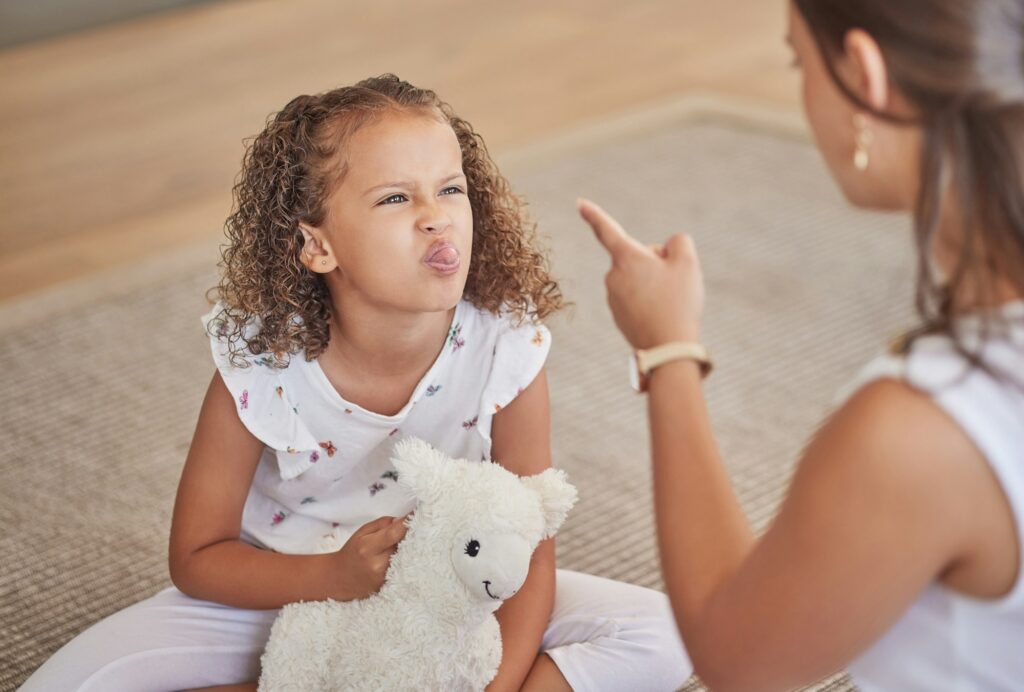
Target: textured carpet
[102, 383]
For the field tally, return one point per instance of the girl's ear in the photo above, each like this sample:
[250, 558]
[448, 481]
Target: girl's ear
[316, 253]
[557, 496]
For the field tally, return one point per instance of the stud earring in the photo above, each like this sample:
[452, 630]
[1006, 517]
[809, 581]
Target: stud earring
[862, 142]
[323, 262]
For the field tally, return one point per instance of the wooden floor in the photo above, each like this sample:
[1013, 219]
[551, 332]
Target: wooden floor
[121, 143]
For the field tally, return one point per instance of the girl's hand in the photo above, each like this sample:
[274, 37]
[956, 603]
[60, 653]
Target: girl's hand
[656, 295]
[363, 561]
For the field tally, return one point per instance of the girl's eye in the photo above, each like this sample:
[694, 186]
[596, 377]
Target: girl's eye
[393, 199]
[452, 190]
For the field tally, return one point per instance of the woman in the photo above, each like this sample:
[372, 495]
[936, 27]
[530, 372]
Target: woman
[897, 552]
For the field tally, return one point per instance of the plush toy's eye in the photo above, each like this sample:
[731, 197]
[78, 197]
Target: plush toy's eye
[472, 548]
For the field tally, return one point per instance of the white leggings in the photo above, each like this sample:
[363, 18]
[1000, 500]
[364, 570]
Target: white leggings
[603, 635]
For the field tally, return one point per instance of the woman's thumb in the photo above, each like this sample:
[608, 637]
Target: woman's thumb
[679, 246]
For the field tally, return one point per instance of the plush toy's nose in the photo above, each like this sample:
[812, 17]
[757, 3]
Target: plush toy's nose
[492, 566]
[508, 567]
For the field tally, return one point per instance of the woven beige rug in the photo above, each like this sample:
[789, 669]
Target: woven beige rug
[103, 380]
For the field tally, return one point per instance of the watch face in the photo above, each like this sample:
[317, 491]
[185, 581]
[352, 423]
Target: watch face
[634, 373]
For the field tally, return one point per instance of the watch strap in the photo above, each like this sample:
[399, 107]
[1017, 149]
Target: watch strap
[648, 359]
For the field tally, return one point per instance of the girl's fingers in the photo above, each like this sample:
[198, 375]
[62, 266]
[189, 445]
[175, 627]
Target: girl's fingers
[374, 526]
[392, 535]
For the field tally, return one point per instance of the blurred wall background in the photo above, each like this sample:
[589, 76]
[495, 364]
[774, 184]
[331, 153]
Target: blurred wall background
[31, 20]
[120, 139]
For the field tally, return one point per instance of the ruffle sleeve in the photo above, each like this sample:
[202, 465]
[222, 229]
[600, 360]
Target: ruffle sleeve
[519, 354]
[261, 394]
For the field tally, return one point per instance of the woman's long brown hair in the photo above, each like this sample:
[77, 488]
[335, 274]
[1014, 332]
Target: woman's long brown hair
[960, 64]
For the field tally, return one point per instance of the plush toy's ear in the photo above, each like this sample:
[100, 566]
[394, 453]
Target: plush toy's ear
[421, 468]
[557, 496]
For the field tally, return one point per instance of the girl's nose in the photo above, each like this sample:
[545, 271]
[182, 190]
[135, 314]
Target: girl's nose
[433, 219]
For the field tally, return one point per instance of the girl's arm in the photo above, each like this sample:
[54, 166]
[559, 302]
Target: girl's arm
[521, 434]
[889, 497]
[207, 559]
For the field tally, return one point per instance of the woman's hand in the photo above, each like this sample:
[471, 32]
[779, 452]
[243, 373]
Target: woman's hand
[656, 294]
[363, 561]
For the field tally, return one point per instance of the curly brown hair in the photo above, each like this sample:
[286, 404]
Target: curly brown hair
[271, 303]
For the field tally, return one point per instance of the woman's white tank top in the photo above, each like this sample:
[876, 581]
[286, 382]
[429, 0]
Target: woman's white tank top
[946, 640]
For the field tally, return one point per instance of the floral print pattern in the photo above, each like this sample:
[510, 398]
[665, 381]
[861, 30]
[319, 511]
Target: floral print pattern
[455, 339]
[484, 363]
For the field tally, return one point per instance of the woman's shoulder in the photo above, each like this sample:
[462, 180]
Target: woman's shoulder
[981, 358]
[892, 450]
[930, 429]
[888, 417]
[985, 361]
[915, 406]
[932, 397]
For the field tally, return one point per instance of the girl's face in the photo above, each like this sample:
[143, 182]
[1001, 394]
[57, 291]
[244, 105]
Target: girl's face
[400, 225]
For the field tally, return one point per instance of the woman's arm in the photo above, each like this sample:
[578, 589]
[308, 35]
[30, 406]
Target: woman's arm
[879, 507]
[521, 434]
[207, 559]
[885, 500]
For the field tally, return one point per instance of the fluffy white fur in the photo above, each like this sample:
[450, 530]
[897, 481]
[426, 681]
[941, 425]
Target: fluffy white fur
[432, 625]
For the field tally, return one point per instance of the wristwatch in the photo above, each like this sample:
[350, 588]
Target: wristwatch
[642, 362]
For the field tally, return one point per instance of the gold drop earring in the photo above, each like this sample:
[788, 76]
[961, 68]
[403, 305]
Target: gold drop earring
[862, 140]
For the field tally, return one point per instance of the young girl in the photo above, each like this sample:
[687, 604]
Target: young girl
[898, 551]
[380, 282]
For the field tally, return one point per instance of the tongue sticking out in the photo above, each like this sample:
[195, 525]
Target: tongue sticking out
[444, 258]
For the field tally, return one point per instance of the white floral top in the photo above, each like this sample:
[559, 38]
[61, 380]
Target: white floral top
[326, 467]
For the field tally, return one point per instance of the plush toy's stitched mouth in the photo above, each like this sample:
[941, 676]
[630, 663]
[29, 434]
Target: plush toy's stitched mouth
[487, 588]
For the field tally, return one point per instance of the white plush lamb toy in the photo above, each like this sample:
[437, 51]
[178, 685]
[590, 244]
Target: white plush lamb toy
[432, 625]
